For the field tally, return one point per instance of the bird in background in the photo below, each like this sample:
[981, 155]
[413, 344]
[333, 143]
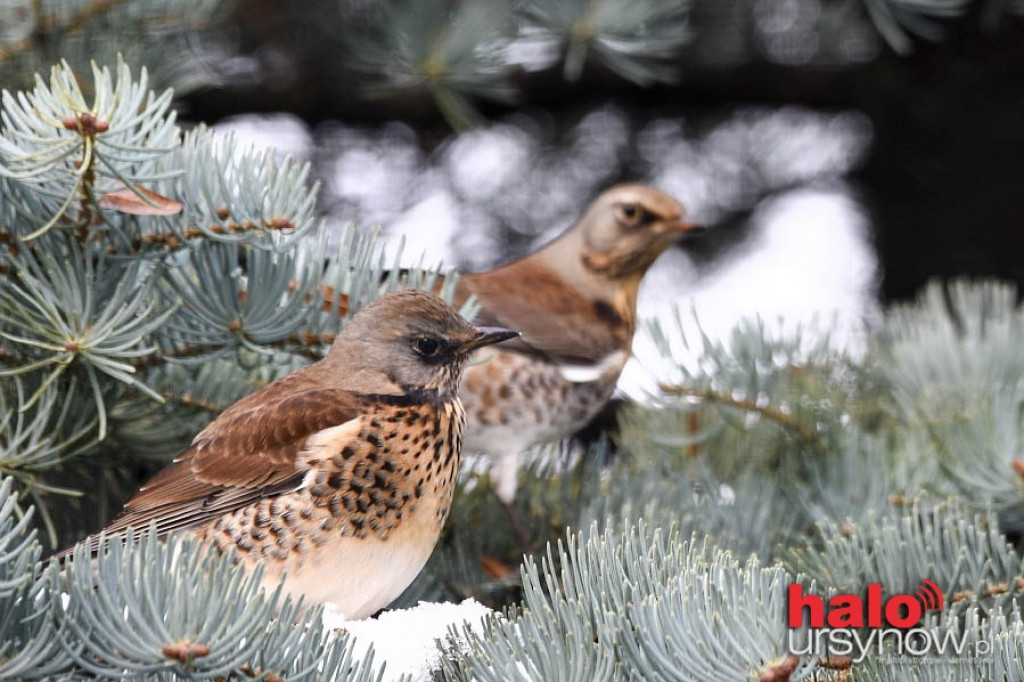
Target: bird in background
[574, 300]
[339, 475]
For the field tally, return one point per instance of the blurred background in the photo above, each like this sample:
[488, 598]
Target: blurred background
[843, 152]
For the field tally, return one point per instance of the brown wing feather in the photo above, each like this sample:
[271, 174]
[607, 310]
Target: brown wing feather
[555, 320]
[249, 452]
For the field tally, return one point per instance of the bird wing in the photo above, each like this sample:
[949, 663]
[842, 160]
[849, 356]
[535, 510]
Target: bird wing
[556, 322]
[252, 451]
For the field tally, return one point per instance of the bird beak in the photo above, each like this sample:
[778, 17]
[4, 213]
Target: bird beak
[687, 228]
[485, 336]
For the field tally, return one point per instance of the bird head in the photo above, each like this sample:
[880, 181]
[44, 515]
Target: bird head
[414, 339]
[627, 227]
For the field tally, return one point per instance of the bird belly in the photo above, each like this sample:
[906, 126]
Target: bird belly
[323, 560]
[514, 401]
[367, 517]
[358, 576]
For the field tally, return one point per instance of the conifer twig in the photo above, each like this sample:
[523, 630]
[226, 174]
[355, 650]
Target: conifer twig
[171, 239]
[776, 415]
[989, 592]
[188, 400]
[779, 671]
[308, 341]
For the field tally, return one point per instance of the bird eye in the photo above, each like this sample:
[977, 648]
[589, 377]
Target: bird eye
[426, 346]
[629, 213]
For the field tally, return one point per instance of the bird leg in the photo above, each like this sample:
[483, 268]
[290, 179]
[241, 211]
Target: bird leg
[504, 471]
[518, 527]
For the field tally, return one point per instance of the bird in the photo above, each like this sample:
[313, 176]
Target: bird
[575, 302]
[338, 477]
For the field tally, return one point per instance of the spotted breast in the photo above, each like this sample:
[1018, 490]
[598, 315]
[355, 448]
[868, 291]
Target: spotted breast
[378, 491]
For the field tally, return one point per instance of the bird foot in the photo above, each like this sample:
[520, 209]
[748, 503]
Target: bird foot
[519, 528]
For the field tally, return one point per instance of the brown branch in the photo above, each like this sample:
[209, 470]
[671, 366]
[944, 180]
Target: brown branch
[989, 592]
[310, 339]
[189, 401]
[693, 427]
[172, 240]
[249, 671]
[776, 415]
[779, 671]
[326, 290]
[308, 342]
[8, 357]
[86, 214]
[329, 295]
[841, 667]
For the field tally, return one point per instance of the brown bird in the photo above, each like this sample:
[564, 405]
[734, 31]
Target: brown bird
[574, 300]
[340, 474]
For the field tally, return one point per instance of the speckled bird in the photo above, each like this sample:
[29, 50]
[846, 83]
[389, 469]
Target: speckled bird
[341, 474]
[574, 300]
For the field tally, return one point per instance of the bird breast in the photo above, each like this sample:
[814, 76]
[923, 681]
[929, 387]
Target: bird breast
[377, 493]
[514, 401]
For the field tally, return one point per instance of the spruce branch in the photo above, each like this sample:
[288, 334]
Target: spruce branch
[28, 646]
[122, 157]
[953, 369]
[637, 40]
[308, 344]
[454, 51]
[32, 441]
[964, 553]
[898, 20]
[637, 605]
[217, 315]
[769, 412]
[56, 147]
[236, 194]
[75, 314]
[159, 34]
[155, 609]
[141, 606]
[172, 240]
[780, 402]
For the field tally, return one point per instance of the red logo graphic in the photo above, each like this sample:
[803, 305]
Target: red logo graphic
[930, 595]
[850, 611]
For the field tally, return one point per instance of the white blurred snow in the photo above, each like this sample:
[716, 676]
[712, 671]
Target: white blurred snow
[404, 640]
[285, 133]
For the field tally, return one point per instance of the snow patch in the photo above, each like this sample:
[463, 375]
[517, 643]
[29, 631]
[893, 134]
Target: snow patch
[405, 639]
